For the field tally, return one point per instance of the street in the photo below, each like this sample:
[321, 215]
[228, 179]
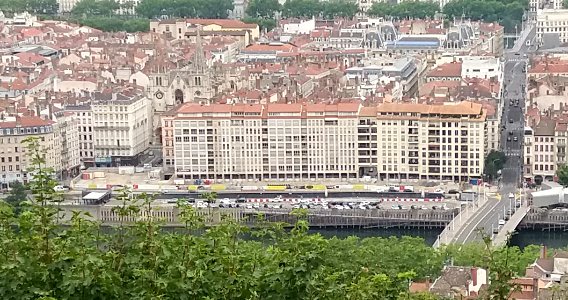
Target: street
[512, 121]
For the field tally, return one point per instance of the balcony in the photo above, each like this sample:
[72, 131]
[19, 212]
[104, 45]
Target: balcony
[433, 162]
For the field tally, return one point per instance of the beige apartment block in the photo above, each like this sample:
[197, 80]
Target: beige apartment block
[122, 126]
[323, 141]
[430, 142]
[14, 161]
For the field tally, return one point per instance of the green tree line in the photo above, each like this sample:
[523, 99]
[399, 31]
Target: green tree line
[40, 259]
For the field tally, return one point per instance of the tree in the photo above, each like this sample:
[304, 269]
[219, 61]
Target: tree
[135, 259]
[89, 8]
[339, 8]
[263, 8]
[562, 174]
[494, 162]
[406, 9]
[508, 13]
[44, 7]
[17, 196]
[301, 8]
[565, 4]
[264, 24]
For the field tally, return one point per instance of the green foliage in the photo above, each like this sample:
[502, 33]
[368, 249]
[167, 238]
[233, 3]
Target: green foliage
[562, 173]
[208, 9]
[263, 8]
[17, 196]
[264, 24]
[89, 8]
[406, 9]
[31, 6]
[564, 3]
[326, 9]
[494, 162]
[39, 259]
[475, 254]
[509, 12]
[116, 24]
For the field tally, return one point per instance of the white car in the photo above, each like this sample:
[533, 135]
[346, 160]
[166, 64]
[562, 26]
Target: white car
[501, 222]
[201, 205]
[60, 188]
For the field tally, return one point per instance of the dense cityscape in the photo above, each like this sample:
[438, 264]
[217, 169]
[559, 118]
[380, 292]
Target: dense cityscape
[204, 149]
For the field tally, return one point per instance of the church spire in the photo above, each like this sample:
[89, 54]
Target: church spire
[199, 61]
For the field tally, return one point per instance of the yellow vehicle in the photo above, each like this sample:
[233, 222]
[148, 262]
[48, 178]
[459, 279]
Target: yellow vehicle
[276, 187]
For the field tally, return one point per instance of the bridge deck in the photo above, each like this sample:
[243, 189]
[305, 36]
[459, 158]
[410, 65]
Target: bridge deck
[501, 238]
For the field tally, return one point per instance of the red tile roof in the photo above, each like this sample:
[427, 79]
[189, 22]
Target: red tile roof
[453, 69]
[25, 122]
[227, 23]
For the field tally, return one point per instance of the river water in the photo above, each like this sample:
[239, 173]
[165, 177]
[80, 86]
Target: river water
[554, 239]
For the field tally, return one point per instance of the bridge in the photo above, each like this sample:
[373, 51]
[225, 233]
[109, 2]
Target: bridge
[482, 219]
[169, 215]
[501, 238]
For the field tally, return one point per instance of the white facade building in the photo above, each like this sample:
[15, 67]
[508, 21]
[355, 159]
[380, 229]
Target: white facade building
[483, 67]
[319, 141]
[66, 143]
[122, 126]
[85, 130]
[552, 21]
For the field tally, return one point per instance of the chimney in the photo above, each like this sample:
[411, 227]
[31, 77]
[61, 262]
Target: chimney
[543, 250]
[474, 276]
[50, 110]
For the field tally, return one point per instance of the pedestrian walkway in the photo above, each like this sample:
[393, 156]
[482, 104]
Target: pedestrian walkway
[503, 236]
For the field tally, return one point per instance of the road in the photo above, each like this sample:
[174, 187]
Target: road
[515, 80]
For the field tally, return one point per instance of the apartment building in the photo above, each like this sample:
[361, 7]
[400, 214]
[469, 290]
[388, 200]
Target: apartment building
[83, 114]
[122, 126]
[543, 150]
[431, 142]
[317, 141]
[66, 144]
[14, 161]
[277, 141]
[552, 21]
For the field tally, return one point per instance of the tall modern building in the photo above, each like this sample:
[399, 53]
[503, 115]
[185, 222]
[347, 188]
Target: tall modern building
[318, 141]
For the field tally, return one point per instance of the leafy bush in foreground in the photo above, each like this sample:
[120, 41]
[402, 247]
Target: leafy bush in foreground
[40, 259]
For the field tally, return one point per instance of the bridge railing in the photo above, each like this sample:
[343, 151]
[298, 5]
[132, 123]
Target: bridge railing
[449, 233]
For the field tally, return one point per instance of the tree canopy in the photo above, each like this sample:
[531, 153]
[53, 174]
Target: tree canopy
[32, 6]
[90, 8]
[562, 174]
[263, 8]
[509, 13]
[208, 9]
[405, 9]
[494, 162]
[42, 260]
[325, 9]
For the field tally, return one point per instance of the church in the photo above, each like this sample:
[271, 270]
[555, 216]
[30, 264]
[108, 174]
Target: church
[195, 82]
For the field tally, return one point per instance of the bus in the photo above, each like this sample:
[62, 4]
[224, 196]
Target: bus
[276, 187]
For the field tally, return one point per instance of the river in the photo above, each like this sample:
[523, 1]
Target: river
[554, 239]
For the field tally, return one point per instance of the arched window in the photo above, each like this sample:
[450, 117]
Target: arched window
[179, 96]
